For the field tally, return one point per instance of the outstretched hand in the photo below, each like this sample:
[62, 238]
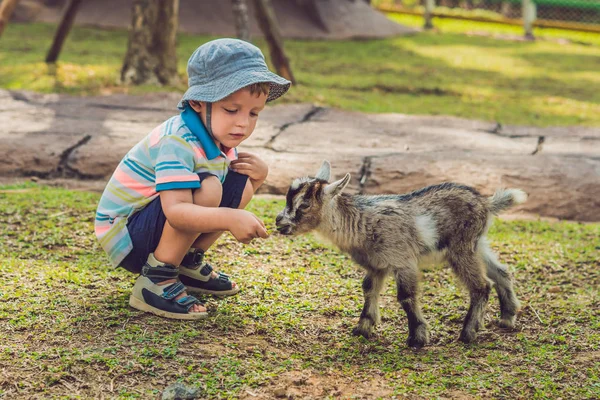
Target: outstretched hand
[247, 226]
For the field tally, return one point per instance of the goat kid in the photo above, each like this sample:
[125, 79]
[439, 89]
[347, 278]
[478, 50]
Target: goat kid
[393, 234]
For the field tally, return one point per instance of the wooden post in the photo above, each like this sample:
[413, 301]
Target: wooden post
[312, 10]
[6, 9]
[529, 16]
[66, 22]
[240, 14]
[151, 56]
[429, 5]
[270, 28]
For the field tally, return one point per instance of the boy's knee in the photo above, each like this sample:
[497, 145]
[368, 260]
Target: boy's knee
[247, 194]
[210, 193]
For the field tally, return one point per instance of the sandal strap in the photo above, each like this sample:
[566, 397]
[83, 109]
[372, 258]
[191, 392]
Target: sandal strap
[188, 302]
[223, 277]
[206, 270]
[197, 258]
[174, 290]
[193, 260]
[160, 273]
[216, 284]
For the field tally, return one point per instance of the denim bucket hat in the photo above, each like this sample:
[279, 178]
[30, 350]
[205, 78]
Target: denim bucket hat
[223, 66]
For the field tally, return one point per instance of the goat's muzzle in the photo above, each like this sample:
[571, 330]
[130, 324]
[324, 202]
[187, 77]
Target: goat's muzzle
[283, 226]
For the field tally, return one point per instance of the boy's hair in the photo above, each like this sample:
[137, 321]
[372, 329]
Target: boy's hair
[259, 88]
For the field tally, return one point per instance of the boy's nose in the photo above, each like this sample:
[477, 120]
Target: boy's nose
[243, 121]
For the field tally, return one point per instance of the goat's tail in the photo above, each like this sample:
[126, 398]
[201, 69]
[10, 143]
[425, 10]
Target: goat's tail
[506, 198]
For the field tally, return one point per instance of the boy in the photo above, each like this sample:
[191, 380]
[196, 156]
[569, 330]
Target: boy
[179, 188]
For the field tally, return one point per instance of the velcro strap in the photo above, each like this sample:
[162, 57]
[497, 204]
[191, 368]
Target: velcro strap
[223, 277]
[173, 291]
[197, 258]
[206, 270]
[188, 301]
[160, 273]
[193, 260]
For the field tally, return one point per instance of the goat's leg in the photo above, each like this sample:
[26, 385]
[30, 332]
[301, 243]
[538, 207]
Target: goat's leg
[470, 270]
[498, 272]
[407, 287]
[372, 285]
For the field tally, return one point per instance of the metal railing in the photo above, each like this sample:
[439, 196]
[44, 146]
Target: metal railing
[581, 15]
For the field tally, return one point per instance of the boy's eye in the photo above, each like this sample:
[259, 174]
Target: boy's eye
[229, 110]
[253, 114]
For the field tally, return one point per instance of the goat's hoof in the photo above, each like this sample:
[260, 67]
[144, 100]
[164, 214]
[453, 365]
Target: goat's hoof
[361, 332]
[507, 322]
[419, 338]
[468, 336]
[415, 343]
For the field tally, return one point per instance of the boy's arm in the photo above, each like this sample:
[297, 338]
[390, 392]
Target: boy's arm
[251, 165]
[183, 214]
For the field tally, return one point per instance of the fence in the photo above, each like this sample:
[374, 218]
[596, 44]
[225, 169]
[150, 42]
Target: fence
[567, 14]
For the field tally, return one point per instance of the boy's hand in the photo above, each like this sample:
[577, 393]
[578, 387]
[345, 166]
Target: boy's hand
[251, 165]
[246, 226]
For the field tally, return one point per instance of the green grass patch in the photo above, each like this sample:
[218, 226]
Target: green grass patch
[444, 72]
[498, 30]
[68, 332]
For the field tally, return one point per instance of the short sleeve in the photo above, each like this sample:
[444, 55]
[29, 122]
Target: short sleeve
[175, 163]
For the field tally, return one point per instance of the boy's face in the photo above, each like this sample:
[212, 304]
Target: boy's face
[233, 119]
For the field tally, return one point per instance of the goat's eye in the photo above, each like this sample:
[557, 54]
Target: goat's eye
[303, 207]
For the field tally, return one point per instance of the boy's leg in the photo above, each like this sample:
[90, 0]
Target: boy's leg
[205, 240]
[198, 276]
[174, 243]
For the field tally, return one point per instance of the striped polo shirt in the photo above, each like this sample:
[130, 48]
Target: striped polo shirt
[169, 157]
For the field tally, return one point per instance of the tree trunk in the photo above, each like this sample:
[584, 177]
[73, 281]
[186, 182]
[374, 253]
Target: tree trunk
[312, 10]
[6, 9]
[151, 56]
[270, 28]
[428, 16]
[240, 13]
[66, 22]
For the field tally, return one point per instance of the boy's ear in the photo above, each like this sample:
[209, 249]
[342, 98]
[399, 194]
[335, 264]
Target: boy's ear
[196, 105]
[336, 187]
[325, 171]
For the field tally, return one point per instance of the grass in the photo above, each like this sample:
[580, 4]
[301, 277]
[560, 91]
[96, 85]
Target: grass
[68, 332]
[67, 329]
[449, 25]
[445, 72]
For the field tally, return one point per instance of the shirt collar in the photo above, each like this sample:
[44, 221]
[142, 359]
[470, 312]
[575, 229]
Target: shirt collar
[232, 154]
[195, 125]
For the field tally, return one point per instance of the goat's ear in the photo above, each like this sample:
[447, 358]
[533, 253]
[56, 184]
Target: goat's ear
[325, 171]
[336, 187]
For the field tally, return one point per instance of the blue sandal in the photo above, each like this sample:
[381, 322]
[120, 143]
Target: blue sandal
[160, 300]
[196, 275]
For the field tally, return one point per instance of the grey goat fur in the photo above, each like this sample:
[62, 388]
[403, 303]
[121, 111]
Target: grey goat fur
[392, 235]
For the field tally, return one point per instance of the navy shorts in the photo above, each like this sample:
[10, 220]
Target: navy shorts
[146, 226]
